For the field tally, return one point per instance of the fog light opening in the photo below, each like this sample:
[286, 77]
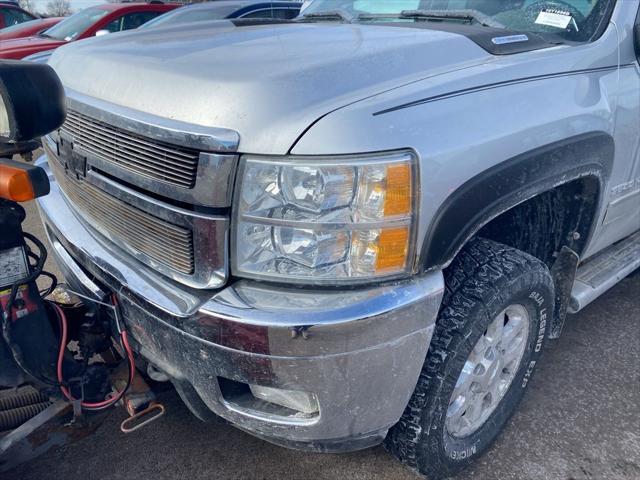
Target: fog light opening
[302, 402]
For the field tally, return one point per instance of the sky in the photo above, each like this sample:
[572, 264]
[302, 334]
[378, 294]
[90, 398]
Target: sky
[41, 5]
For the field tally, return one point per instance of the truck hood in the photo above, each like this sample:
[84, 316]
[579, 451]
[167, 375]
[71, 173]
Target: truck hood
[269, 83]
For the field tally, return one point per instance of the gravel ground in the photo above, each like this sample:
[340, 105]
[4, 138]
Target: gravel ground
[578, 421]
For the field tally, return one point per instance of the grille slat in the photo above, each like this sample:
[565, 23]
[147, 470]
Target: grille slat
[172, 152]
[178, 248]
[175, 233]
[105, 140]
[163, 242]
[135, 153]
[150, 146]
[130, 160]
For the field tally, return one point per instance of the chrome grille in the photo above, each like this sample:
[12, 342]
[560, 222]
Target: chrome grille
[163, 242]
[136, 153]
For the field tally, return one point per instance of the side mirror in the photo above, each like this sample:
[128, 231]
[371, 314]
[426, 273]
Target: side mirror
[31, 101]
[100, 33]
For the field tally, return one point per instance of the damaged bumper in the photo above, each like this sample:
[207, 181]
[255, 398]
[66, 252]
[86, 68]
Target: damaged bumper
[350, 359]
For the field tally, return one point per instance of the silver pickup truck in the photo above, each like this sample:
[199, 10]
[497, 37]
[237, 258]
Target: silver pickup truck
[360, 225]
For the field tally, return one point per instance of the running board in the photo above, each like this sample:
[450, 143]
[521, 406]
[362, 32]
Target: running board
[601, 272]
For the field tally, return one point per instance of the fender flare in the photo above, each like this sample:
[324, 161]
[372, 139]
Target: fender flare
[506, 185]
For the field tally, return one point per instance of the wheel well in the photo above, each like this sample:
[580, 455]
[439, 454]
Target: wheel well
[543, 224]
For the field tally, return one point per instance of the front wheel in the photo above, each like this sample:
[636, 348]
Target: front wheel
[489, 337]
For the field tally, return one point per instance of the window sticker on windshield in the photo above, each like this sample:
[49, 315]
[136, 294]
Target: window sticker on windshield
[554, 18]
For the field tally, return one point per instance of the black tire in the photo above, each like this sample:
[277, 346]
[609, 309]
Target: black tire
[482, 281]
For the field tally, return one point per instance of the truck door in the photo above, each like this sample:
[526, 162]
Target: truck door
[622, 216]
[625, 195]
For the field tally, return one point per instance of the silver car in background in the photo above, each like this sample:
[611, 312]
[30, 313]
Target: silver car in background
[227, 9]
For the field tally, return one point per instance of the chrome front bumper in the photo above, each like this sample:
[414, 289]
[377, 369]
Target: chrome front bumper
[358, 351]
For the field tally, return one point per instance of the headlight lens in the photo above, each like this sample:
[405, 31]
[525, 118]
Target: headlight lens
[325, 220]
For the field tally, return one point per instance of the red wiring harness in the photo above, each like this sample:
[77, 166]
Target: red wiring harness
[63, 345]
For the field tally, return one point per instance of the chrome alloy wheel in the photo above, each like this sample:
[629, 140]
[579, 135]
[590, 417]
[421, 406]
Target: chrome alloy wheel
[488, 372]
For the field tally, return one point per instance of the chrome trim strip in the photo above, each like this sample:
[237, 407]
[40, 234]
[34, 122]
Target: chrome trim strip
[272, 418]
[188, 135]
[214, 180]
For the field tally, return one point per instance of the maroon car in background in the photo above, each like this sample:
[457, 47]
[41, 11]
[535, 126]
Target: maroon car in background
[27, 29]
[98, 20]
[12, 14]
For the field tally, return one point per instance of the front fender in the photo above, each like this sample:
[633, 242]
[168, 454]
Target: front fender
[502, 187]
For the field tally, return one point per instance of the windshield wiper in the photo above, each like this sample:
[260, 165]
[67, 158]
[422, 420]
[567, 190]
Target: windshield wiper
[44, 35]
[340, 15]
[468, 15]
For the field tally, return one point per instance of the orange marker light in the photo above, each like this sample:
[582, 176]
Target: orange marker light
[15, 184]
[393, 246]
[398, 197]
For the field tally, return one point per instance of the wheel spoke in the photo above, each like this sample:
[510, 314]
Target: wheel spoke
[496, 393]
[473, 411]
[512, 354]
[512, 329]
[455, 413]
[495, 330]
[464, 381]
[482, 374]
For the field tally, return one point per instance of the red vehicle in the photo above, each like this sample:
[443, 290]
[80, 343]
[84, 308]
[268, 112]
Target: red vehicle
[93, 21]
[29, 28]
[12, 14]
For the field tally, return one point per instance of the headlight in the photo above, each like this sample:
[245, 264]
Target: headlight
[325, 220]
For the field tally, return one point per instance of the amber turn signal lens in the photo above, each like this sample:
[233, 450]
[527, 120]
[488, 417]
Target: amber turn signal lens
[15, 184]
[398, 195]
[393, 246]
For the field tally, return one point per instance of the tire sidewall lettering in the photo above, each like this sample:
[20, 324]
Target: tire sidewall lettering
[465, 453]
[539, 302]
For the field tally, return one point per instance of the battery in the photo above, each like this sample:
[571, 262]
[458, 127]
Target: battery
[28, 328]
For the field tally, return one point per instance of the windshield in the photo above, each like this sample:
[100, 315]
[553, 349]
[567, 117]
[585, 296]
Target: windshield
[20, 26]
[187, 14]
[576, 20]
[74, 26]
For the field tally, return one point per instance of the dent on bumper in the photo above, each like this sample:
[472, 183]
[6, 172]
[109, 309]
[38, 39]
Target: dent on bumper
[358, 351]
